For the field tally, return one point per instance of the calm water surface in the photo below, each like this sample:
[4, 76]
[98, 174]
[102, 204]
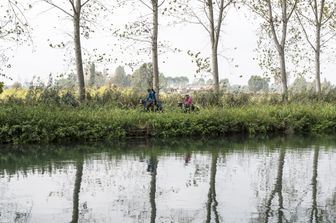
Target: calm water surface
[274, 180]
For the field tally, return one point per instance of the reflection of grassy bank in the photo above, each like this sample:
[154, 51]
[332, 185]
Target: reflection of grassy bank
[19, 157]
[39, 124]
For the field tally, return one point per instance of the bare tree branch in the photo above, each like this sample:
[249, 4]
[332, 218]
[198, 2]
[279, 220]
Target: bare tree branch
[58, 7]
[145, 4]
[200, 21]
[159, 5]
[327, 40]
[84, 3]
[292, 10]
[271, 23]
[305, 31]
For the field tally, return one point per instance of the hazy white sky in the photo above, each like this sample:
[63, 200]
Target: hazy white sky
[239, 40]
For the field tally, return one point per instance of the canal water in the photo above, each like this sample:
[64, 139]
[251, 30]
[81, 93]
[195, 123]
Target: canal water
[218, 180]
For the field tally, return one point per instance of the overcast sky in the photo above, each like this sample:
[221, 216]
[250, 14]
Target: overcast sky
[238, 42]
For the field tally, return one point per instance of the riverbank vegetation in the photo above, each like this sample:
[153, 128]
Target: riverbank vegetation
[49, 117]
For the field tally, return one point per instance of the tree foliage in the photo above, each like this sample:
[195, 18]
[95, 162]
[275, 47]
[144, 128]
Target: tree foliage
[257, 83]
[146, 31]
[14, 29]
[210, 14]
[120, 78]
[278, 33]
[299, 85]
[316, 20]
[82, 13]
[142, 78]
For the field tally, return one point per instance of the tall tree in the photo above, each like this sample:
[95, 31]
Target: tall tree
[276, 16]
[317, 15]
[146, 30]
[155, 33]
[210, 14]
[74, 9]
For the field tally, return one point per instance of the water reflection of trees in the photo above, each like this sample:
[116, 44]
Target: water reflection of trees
[10, 212]
[212, 201]
[314, 210]
[315, 213]
[329, 211]
[78, 181]
[277, 189]
[273, 208]
[152, 168]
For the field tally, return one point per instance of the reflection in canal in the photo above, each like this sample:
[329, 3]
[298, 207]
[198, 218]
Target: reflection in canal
[212, 189]
[314, 210]
[278, 180]
[78, 181]
[277, 188]
[152, 168]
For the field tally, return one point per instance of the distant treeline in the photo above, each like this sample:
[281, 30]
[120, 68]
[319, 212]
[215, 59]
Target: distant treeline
[142, 78]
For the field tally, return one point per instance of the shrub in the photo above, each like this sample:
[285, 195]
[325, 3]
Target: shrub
[49, 96]
[236, 99]
[69, 99]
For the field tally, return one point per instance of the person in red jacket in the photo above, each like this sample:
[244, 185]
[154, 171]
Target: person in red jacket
[187, 102]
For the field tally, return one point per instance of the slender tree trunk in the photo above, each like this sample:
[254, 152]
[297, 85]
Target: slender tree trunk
[78, 51]
[283, 76]
[318, 59]
[319, 14]
[214, 45]
[282, 52]
[155, 47]
[280, 44]
[214, 68]
[78, 181]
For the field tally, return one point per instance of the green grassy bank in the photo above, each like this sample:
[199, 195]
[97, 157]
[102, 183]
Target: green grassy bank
[43, 124]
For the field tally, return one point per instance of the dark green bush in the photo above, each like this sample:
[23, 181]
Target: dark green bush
[49, 96]
[69, 99]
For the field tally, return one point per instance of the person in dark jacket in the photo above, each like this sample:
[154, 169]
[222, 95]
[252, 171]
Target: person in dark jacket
[150, 100]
